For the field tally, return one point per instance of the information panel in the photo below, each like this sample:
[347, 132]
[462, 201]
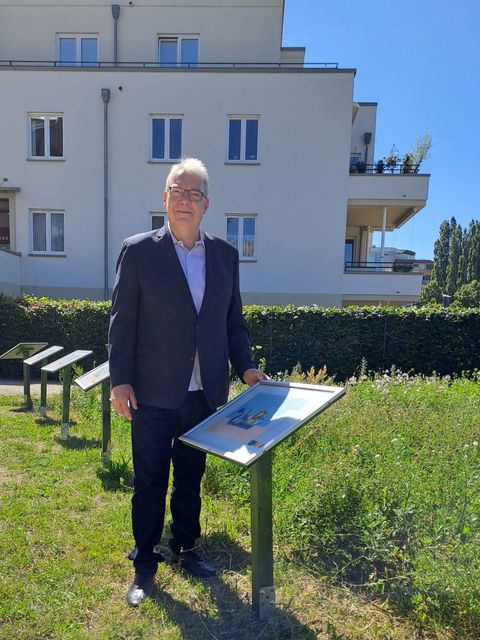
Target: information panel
[259, 419]
[56, 365]
[23, 350]
[93, 377]
[42, 355]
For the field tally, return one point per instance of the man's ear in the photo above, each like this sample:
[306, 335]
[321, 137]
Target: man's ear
[206, 205]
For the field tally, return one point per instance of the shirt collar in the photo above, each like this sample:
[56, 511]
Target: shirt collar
[180, 242]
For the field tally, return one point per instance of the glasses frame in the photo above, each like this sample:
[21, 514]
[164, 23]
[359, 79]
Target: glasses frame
[186, 191]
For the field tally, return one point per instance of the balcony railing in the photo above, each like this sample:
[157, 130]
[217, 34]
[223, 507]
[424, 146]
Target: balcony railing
[169, 66]
[403, 266]
[379, 167]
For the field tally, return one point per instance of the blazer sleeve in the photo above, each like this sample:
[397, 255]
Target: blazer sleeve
[237, 330]
[123, 321]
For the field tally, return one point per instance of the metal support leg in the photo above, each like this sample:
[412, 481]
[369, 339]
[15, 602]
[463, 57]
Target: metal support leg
[67, 383]
[27, 399]
[106, 426]
[263, 591]
[43, 393]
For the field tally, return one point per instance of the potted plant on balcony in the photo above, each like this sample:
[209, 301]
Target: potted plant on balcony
[407, 163]
[379, 166]
[391, 162]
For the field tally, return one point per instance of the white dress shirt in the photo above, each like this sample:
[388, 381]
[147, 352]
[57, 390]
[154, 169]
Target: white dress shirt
[193, 265]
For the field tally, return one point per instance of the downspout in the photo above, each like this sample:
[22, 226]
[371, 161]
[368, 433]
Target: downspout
[115, 14]
[106, 100]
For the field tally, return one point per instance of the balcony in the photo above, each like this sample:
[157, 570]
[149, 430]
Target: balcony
[385, 199]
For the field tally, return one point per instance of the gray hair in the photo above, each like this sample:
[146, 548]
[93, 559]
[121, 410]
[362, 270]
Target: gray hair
[189, 165]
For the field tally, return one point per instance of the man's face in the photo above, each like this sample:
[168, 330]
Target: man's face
[182, 210]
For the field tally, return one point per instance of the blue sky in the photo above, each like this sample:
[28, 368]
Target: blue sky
[420, 61]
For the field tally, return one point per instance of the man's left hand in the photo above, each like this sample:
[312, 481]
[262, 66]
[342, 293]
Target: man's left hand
[252, 376]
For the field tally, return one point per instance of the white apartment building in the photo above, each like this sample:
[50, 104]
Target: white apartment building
[98, 100]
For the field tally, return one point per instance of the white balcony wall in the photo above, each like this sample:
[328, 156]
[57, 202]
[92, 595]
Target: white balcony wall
[300, 220]
[10, 274]
[380, 286]
[229, 30]
[384, 187]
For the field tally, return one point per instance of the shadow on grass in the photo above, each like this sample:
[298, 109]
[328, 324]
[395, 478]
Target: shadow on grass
[116, 475]
[230, 616]
[76, 443]
[24, 408]
[43, 422]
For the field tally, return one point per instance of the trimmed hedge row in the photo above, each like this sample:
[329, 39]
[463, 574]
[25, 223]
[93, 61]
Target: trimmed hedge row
[418, 340]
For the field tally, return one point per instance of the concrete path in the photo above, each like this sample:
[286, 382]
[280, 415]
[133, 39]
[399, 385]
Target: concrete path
[15, 387]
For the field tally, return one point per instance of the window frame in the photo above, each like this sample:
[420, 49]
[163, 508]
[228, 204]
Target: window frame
[157, 214]
[48, 232]
[179, 37]
[241, 217]
[78, 49]
[168, 117]
[47, 116]
[243, 139]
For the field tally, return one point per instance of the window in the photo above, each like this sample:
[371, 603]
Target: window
[158, 220]
[46, 136]
[47, 232]
[241, 233]
[348, 257]
[77, 50]
[177, 51]
[243, 139]
[166, 138]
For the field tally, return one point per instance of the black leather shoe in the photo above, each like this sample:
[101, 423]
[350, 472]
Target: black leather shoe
[140, 588]
[192, 564]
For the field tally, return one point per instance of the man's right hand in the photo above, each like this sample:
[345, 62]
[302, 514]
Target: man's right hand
[123, 399]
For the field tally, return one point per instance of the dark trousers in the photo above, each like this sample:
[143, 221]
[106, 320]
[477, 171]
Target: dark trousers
[155, 443]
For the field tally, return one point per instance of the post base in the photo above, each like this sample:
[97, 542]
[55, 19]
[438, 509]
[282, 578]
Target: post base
[266, 603]
[43, 412]
[65, 426]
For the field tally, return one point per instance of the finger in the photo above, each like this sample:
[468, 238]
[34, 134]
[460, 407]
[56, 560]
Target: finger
[133, 401]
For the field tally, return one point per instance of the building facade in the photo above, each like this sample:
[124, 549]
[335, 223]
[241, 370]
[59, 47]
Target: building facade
[99, 100]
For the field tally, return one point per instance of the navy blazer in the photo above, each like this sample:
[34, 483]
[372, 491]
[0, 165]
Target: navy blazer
[155, 329]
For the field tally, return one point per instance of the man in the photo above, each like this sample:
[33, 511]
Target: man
[176, 322]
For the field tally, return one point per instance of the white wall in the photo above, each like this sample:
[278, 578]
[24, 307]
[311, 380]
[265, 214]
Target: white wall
[229, 30]
[10, 276]
[366, 120]
[298, 190]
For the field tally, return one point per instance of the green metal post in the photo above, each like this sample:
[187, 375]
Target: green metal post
[106, 427]
[67, 383]
[27, 399]
[43, 393]
[263, 591]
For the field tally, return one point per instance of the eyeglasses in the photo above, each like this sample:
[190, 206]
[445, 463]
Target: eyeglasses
[194, 195]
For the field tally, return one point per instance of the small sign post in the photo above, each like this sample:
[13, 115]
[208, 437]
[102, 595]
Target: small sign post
[20, 352]
[245, 431]
[100, 375]
[64, 364]
[41, 358]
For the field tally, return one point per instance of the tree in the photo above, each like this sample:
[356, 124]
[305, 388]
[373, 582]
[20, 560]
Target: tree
[468, 295]
[441, 252]
[455, 251]
[473, 261]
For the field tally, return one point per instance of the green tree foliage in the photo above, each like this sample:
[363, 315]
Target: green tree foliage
[468, 295]
[456, 261]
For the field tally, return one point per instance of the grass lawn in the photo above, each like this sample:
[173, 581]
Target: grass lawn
[376, 526]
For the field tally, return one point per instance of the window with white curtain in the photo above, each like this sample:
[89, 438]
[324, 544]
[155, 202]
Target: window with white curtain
[241, 233]
[45, 136]
[47, 232]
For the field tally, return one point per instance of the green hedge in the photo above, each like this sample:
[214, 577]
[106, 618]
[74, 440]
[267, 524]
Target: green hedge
[420, 340]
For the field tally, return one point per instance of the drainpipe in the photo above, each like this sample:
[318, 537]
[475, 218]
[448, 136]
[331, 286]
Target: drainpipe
[115, 14]
[106, 100]
[384, 228]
